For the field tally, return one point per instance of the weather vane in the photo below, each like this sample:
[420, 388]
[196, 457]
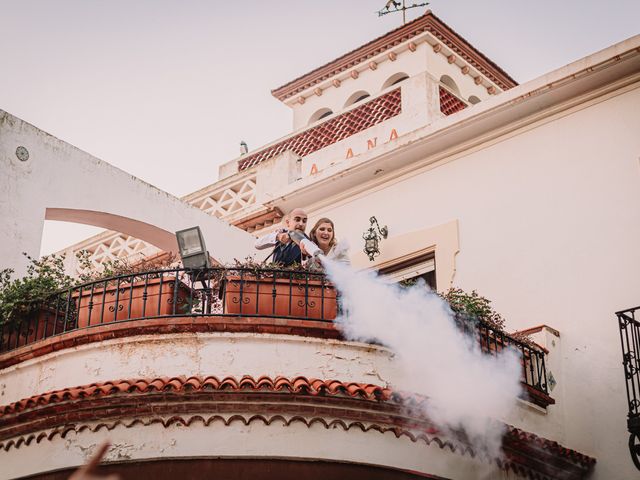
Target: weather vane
[393, 6]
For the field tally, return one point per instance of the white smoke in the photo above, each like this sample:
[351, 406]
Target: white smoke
[466, 389]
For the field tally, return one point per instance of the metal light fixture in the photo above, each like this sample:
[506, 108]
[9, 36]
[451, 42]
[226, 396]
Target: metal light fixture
[372, 239]
[193, 251]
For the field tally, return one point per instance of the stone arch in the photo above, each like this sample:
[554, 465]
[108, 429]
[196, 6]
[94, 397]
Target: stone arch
[159, 237]
[450, 83]
[394, 79]
[320, 114]
[57, 181]
[356, 97]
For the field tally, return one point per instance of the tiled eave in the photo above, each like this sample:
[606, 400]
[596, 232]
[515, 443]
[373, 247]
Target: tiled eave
[259, 220]
[427, 23]
[332, 403]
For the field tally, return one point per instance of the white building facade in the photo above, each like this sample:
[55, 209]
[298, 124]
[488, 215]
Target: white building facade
[527, 193]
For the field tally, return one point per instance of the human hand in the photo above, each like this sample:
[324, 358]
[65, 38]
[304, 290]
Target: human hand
[283, 237]
[87, 471]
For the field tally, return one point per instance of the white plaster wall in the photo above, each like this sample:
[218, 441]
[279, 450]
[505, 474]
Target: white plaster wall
[296, 441]
[422, 60]
[217, 354]
[61, 182]
[549, 219]
[371, 81]
[438, 65]
[222, 355]
[420, 106]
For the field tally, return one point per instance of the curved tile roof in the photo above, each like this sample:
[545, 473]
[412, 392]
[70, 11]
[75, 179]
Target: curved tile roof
[329, 402]
[426, 23]
[297, 385]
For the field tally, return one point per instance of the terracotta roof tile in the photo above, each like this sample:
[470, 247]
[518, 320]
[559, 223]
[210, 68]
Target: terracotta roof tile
[525, 451]
[449, 103]
[425, 23]
[296, 385]
[331, 131]
[550, 446]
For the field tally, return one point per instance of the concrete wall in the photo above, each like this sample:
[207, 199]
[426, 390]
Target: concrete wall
[60, 182]
[237, 440]
[221, 355]
[423, 60]
[549, 218]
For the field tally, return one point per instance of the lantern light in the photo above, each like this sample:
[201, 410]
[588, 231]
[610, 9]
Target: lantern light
[372, 239]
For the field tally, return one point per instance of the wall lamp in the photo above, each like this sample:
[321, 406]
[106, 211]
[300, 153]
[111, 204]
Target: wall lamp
[193, 251]
[372, 239]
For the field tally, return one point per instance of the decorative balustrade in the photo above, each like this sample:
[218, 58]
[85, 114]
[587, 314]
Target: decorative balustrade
[450, 103]
[218, 293]
[221, 200]
[493, 341]
[630, 341]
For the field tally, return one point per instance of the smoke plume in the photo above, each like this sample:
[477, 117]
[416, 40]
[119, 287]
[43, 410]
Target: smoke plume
[465, 389]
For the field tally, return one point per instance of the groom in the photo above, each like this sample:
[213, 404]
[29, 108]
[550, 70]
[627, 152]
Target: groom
[286, 252]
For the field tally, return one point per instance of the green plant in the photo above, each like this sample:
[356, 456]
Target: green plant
[120, 267]
[265, 269]
[21, 297]
[474, 305]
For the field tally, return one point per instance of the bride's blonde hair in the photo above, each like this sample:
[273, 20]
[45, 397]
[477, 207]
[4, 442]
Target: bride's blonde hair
[312, 234]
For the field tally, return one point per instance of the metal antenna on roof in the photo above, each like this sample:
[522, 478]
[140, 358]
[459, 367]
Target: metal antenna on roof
[393, 6]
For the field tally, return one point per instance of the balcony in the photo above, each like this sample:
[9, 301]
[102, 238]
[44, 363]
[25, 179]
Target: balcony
[630, 341]
[295, 302]
[222, 346]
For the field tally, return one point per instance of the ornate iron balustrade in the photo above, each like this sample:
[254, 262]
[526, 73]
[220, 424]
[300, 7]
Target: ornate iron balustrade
[249, 292]
[493, 341]
[630, 341]
[224, 292]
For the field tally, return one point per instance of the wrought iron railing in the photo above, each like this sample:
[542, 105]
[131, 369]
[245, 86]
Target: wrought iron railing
[218, 291]
[493, 341]
[177, 292]
[630, 341]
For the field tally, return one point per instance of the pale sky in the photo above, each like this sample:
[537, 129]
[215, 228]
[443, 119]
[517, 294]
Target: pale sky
[167, 89]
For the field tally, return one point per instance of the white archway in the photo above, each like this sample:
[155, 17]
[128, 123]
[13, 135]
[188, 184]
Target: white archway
[356, 97]
[320, 114]
[450, 83]
[60, 182]
[394, 79]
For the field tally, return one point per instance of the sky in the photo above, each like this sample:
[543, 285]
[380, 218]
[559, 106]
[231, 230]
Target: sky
[167, 89]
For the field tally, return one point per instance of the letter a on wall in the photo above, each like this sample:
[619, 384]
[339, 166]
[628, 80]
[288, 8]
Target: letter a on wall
[349, 154]
[393, 135]
[314, 169]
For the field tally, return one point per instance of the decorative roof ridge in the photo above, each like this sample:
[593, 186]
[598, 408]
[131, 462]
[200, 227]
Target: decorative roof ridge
[551, 446]
[526, 453]
[427, 22]
[295, 385]
[186, 421]
[576, 466]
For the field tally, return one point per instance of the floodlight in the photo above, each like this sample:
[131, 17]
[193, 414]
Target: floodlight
[193, 251]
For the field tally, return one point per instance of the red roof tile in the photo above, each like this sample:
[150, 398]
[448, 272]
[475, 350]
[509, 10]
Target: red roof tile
[449, 103]
[531, 439]
[331, 131]
[331, 404]
[309, 386]
[426, 23]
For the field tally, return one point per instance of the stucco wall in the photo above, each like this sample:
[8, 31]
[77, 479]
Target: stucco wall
[296, 441]
[549, 218]
[61, 182]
